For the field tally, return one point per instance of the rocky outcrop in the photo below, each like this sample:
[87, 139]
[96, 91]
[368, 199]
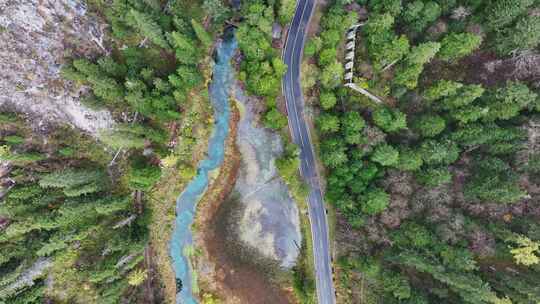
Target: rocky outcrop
[36, 36]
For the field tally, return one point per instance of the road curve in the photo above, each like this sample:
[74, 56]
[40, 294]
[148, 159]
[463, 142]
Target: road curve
[292, 56]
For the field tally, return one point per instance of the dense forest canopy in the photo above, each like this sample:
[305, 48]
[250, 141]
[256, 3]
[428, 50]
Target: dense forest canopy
[437, 188]
[65, 214]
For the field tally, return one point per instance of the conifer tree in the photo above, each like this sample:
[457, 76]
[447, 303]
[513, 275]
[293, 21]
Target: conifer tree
[457, 45]
[527, 251]
[203, 36]
[74, 182]
[503, 12]
[147, 27]
[184, 47]
[217, 10]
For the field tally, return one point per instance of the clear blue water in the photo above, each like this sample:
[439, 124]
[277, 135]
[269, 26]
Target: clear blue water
[187, 201]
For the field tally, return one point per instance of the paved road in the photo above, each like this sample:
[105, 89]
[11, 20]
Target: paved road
[292, 56]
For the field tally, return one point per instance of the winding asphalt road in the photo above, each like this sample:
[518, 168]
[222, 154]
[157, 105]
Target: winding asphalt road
[292, 56]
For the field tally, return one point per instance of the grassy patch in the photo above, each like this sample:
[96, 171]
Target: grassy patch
[304, 271]
[303, 277]
[162, 203]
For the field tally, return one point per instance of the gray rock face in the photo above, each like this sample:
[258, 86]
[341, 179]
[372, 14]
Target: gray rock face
[270, 220]
[35, 36]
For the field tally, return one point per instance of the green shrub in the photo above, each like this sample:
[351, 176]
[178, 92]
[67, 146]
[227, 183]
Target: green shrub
[434, 177]
[142, 175]
[385, 155]
[457, 45]
[375, 201]
[389, 120]
[13, 140]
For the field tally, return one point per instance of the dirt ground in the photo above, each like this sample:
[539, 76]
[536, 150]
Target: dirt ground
[487, 69]
[240, 282]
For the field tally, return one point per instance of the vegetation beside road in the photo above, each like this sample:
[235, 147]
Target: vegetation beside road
[437, 184]
[303, 280]
[262, 68]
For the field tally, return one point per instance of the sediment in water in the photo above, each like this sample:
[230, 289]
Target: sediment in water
[181, 244]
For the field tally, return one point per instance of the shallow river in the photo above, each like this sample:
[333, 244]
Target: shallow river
[181, 242]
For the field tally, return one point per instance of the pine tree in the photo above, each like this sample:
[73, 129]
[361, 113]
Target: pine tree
[396, 284]
[201, 34]
[494, 181]
[486, 134]
[112, 68]
[143, 176]
[352, 125]
[113, 205]
[74, 182]
[527, 251]
[328, 123]
[375, 201]
[442, 88]
[469, 113]
[434, 177]
[51, 246]
[443, 152]
[468, 286]
[102, 86]
[409, 160]
[122, 138]
[465, 95]
[503, 12]
[419, 14]
[423, 53]
[429, 125]
[390, 120]
[31, 295]
[383, 45]
[457, 45]
[407, 75]
[217, 10]
[147, 27]
[184, 47]
[385, 155]
[333, 153]
[507, 102]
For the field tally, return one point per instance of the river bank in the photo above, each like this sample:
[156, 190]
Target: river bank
[163, 197]
[207, 208]
[181, 243]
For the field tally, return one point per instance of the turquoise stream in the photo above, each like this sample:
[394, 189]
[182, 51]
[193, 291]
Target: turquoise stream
[186, 203]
